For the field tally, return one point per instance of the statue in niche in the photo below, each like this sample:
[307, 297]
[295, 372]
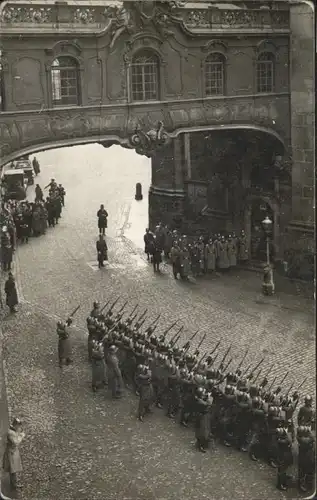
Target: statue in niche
[217, 194]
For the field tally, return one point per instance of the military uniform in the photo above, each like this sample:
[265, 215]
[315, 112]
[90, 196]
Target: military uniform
[144, 382]
[64, 344]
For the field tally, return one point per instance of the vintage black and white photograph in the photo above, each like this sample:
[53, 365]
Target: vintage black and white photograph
[157, 223]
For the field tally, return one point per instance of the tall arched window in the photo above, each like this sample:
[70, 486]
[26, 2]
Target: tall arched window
[145, 77]
[215, 75]
[265, 73]
[65, 81]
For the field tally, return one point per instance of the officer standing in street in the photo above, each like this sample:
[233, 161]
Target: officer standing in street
[102, 251]
[102, 215]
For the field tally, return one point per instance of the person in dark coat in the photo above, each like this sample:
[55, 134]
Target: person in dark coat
[11, 293]
[98, 366]
[202, 425]
[102, 215]
[146, 395]
[114, 372]
[36, 166]
[6, 249]
[306, 459]
[148, 239]
[64, 344]
[284, 457]
[102, 251]
[156, 252]
[38, 193]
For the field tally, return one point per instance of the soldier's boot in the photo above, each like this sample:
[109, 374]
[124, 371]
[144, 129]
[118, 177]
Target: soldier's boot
[184, 419]
[200, 445]
[94, 388]
[281, 481]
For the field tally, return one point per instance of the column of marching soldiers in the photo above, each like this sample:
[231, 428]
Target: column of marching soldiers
[238, 406]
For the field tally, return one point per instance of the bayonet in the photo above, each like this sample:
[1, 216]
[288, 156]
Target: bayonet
[217, 345]
[242, 360]
[74, 311]
[201, 341]
[225, 357]
[301, 385]
[168, 329]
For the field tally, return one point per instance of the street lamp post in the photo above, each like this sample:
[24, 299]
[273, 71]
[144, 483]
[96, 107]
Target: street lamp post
[268, 286]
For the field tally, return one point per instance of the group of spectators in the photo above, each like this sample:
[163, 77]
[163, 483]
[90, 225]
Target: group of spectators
[195, 255]
[19, 220]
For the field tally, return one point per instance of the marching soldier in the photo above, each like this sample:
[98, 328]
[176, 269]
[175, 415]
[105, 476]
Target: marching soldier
[114, 373]
[174, 391]
[98, 366]
[64, 344]
[202, 427]
[144, 384]
[306, 458]
[306, 414]
[11, 459]
[284, 457]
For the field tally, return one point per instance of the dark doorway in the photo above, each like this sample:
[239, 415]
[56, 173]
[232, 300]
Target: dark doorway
[260, 209]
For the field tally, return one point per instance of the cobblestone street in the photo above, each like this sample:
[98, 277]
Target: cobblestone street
[81, 445]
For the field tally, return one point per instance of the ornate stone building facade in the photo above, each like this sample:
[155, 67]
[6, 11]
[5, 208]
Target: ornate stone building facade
[219, 95]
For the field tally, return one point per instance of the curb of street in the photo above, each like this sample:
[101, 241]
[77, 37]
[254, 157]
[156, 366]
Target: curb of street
[4, 408]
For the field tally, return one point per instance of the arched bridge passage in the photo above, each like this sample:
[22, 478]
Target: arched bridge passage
[107, 140]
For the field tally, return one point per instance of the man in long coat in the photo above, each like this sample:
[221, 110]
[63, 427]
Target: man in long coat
[64, 344]
[114, 372]
[6, 249]
[98, 366]
[11, 293]
[144, 383]
[11, 459]
[102, 251]
[102, 215]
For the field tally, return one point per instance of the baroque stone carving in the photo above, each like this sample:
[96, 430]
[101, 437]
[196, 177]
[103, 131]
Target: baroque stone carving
[84, 16]
[233, 17]
[132, 17]
[15, 14]
[146, 143]
[198, 19]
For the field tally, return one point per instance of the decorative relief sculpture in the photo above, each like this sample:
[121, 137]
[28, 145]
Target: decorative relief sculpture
[198, 19]
[15, 14]
[146, 143]
[121, 17]
[84, 16]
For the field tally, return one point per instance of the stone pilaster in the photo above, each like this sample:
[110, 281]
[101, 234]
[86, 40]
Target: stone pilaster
[166, 196]
[302, 116]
